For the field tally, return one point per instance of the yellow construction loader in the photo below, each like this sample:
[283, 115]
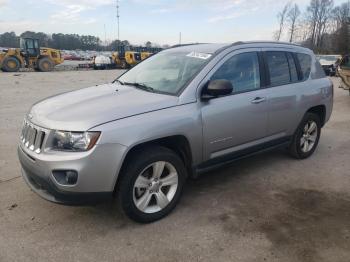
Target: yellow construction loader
[30, 55]
[145, 55]
[126, 59]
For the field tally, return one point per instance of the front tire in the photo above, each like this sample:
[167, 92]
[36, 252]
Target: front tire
[306, 137]
[151, 184]
[11, 64]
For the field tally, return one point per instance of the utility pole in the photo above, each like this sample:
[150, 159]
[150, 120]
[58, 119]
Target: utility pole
[118, 22]
[104, 26]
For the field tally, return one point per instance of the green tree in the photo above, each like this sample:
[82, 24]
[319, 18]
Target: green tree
[9, 39]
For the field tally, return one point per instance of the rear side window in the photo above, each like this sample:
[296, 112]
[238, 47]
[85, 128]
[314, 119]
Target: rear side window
[242, 71]
[305, 65]
[278, 68]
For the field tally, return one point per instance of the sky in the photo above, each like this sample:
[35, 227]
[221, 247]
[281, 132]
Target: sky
[158, 21]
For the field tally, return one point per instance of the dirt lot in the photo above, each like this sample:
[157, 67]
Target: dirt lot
[266, 208]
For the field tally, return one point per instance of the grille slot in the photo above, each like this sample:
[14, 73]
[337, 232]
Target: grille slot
[32, 137]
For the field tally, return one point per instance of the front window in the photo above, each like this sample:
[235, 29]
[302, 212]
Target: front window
[166, 72]
[242, 71]
[22, 44]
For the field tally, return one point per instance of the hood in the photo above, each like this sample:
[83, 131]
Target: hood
[85, 108]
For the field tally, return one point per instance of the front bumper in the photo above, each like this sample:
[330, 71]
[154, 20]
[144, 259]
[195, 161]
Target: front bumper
[97, 173]
[47, 190]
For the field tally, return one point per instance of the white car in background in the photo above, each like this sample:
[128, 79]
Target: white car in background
[329, 63]
[102, 62]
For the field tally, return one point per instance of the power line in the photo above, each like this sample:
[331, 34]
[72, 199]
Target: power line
[104, 27]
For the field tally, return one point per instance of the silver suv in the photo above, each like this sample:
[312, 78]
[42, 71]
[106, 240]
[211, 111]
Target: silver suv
[181, 112]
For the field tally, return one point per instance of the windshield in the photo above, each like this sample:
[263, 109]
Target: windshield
[166, 72]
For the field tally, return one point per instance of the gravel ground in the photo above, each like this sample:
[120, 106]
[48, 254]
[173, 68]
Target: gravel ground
[266, 208]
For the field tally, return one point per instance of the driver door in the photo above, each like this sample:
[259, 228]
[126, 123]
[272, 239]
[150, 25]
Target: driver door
[237, 121]
[32, 47]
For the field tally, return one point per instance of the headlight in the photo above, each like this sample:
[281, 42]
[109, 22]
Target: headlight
[74, 141]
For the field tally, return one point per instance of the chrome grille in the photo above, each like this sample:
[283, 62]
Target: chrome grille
[32, 137]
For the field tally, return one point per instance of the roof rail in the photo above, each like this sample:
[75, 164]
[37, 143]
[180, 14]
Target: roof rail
[264, 42]
[255, 42]
[179, 45]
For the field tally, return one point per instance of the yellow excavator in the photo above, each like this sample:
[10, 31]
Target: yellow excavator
[30, 55]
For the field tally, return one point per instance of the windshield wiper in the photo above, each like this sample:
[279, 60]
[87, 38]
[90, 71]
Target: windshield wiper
[141, 86]
[120, 82]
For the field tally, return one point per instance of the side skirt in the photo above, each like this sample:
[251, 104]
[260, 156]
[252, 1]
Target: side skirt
[228, 159]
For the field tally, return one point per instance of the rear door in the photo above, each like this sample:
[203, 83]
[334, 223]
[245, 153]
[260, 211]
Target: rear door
[283, 85]
[238, 120]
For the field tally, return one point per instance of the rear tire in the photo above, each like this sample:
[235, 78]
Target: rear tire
[45, 64]
[306, 137]
[151, 184]
[11, 64]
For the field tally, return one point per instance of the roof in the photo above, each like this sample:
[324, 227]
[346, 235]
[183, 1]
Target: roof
[201, 48]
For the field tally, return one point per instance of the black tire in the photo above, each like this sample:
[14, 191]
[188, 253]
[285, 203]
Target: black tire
[124, 64]
[11, 64]
[296, 148]
[134, 167]
[45, 64]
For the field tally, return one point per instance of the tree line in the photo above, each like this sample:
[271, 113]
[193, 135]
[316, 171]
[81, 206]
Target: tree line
[64, 41]
[323, 27]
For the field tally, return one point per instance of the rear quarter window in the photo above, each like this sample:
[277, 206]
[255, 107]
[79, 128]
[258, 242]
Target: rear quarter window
[319, 71]
[305, 65]
[292, 68]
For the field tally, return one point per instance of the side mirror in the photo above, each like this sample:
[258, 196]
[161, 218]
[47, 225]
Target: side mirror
[215, 88]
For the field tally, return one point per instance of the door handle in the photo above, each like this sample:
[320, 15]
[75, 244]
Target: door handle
[258, 100]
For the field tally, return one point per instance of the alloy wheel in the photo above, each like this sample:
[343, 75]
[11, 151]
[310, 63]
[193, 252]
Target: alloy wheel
[155, 187]
[309, 136]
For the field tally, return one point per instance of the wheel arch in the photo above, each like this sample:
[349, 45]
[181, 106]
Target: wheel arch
[319, 110]
[45, 56]
[177, 143]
